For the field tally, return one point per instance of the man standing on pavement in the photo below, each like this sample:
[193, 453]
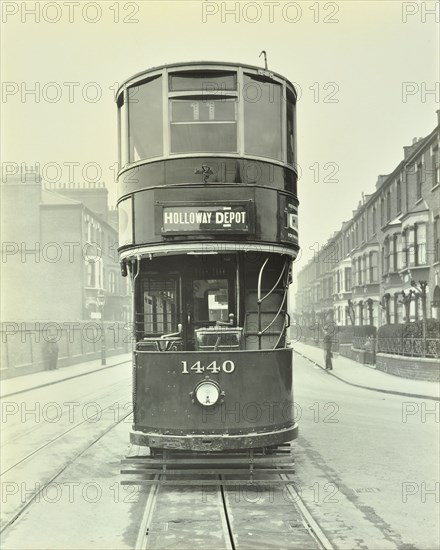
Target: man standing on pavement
[50, 352]
[328, 350]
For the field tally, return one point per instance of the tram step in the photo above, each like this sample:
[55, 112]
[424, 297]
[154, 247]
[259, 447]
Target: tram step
[202, 461]
[217, 471]
[213, 482]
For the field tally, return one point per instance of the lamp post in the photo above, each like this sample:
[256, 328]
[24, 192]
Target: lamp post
[101, 302]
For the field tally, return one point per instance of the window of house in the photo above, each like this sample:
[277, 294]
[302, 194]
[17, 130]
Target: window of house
[373, 267]
[437, 239]
[435, 161]
[404, 253]
[347, 279]
[386, 256]
[359, 270]
[399, 196]
[389, 206]
[391, 252]
[91, 274]
[420, 243]
[409, 246]
[112, 282]
[399, 254]
[419, 179]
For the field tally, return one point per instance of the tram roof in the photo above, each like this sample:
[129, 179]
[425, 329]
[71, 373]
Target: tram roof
[202, 63]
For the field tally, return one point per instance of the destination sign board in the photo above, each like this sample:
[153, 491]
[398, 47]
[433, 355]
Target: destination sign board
[206, 218]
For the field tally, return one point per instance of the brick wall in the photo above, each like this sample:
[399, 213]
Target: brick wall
[358, 355]
[409, 367]
[22, 344]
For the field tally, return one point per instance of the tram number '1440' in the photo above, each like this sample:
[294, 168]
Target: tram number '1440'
[227, 367]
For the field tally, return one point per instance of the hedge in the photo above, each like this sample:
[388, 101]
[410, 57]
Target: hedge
[411, 330]
[365, 330]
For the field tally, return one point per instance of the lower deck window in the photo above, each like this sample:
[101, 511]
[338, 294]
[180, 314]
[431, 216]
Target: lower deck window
[210, 300]
[159, 306]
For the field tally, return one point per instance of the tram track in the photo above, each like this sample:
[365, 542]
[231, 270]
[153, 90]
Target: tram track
[15, 429]
[147, 527]
[230, 517]
[53, 440]
[16, 513]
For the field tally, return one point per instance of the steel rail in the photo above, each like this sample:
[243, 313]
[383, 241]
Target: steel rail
[59, 436]
[142, 541]
[313, 527]
[144, 530]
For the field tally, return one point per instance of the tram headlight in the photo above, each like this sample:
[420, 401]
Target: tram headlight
[207, 393]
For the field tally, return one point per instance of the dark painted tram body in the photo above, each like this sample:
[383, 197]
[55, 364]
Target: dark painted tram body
[208, 232]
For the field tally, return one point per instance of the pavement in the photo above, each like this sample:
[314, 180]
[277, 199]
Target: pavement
[28, 382]
[367, 376]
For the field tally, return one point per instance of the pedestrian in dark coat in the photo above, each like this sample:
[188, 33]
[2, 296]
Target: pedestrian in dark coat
[328, 350]
[50, 353]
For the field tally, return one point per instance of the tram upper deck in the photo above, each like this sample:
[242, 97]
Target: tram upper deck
[207, 153]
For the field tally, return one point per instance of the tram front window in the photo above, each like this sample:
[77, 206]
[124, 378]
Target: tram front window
[159, 306]
[210, 301]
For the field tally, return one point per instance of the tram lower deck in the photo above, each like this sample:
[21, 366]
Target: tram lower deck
[211, 369]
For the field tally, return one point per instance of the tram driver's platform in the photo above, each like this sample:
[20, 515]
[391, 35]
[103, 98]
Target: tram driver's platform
[219, 338]
[368, 377]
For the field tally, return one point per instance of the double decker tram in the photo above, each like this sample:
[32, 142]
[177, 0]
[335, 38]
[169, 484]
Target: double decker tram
[207, 205]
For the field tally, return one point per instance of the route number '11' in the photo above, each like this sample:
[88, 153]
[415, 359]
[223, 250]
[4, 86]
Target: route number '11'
[227, 367]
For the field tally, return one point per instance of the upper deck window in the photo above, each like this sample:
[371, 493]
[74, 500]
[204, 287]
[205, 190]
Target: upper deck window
[262, 117]
[290, 128]
[122, 125]
[125, 209]
[209, 81]
[203, 124]
[145, 120]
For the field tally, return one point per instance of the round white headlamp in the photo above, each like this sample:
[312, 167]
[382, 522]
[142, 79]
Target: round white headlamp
[207, 393]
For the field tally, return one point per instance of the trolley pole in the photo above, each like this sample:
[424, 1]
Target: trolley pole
[101, 303]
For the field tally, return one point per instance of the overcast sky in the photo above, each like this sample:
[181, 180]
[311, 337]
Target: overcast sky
[350, 60]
